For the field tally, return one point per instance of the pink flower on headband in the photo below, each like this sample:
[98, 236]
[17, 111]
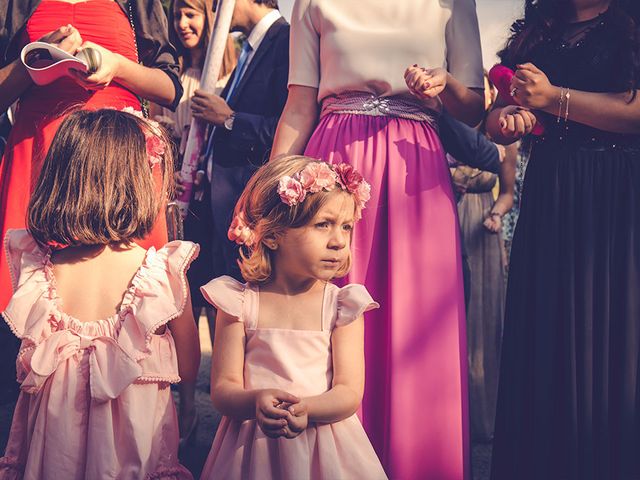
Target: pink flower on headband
[291, 191]
[318, 176]
[348, 177]
[153, 135]
[240, 232]
[362, 194]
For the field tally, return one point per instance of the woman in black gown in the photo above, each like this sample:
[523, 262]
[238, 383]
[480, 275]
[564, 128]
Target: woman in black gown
[569, 394]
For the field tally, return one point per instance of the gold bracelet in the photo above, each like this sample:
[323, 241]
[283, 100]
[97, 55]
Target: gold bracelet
[561, 103]
[566, 111]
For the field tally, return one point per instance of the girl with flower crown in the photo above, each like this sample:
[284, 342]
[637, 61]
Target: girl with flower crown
[105, 325]
[288, 358]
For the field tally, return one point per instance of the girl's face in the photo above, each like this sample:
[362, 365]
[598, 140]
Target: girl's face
[189, 24]
[320, 248]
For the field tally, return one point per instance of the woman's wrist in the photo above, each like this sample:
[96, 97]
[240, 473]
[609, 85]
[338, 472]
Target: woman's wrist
[119, 63]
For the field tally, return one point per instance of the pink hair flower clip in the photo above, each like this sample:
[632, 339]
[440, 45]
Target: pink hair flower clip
[291, 191]
[153, 135]
[240, 232]
[318, 176]
[351, 180]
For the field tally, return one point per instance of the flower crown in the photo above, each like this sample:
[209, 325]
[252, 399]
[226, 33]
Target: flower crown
[153, 135]
[313, 178]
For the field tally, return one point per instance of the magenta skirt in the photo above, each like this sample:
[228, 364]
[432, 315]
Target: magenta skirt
[406, 250]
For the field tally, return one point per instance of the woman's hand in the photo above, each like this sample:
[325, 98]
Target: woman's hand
[531, 88]
[66, 38]
[272, 419]
[109, 66]
[516, 122]
[425, 83]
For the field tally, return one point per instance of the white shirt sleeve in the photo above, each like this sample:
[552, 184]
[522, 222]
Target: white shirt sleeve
[304, 51]
[463, 50]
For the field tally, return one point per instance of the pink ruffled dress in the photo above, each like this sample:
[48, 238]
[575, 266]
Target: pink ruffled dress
[299, 362]
[95, 400]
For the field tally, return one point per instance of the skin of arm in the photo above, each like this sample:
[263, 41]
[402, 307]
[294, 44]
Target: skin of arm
[504, 202]
[14, 80]
[612, 112]
[297, 122]
[185, 335]
[345, 395]
[465, 104]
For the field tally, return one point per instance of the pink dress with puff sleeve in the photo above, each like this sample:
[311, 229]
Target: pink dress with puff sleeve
[299, 362]
[95, 401]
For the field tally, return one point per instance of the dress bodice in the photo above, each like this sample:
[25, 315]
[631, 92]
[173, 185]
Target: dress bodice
[297, 361]
[119, 350]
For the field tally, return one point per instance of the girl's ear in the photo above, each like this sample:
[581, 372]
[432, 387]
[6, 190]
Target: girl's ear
[270, 241]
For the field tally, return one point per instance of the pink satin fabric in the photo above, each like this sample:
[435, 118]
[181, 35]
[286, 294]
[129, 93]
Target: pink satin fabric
[406, 251]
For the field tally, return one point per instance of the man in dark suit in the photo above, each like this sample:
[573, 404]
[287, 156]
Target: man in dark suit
[244, 117]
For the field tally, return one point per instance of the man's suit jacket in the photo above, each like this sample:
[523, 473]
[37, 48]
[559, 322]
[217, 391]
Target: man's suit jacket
[258, 102]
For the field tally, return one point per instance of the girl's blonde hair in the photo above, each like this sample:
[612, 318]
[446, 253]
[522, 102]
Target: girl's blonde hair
[97, 184]
[267, 215]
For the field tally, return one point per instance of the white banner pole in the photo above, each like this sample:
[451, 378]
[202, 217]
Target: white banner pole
[210, 74]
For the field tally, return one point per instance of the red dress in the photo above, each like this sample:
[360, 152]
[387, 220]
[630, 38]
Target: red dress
[41, 109]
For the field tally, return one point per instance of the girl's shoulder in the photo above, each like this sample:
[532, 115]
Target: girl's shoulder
[349, 303]
[227, 294]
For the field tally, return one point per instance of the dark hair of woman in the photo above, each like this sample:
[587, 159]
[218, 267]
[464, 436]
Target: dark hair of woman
[546, 20]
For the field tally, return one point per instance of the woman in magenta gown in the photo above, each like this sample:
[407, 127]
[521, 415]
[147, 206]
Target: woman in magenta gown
[347, 65]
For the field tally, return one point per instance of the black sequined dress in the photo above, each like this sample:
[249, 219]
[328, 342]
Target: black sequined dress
[569, 394]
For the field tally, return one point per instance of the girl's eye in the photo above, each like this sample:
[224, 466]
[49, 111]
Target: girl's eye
[348, 227]
[322, 224]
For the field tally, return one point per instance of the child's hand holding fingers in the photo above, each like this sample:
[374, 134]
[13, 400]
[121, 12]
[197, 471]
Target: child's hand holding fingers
[270, 417]
[516, 122]
[425, 83]
[297, 419]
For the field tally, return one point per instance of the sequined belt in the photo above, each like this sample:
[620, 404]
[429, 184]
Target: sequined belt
[361, 103]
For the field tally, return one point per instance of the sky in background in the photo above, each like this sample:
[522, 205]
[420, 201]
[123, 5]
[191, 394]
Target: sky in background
[494, 16]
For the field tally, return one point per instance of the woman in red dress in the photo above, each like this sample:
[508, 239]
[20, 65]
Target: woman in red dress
[126, 33]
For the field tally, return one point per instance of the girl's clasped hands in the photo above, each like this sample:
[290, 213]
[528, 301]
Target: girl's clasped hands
[280, 414]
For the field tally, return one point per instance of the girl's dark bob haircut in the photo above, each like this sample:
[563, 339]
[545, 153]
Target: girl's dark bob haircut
[97, 185]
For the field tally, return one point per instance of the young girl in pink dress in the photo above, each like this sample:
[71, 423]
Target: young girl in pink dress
[288, 357]
[103, 322]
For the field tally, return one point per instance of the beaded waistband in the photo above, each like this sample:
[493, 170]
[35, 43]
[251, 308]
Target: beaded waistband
[361, 103]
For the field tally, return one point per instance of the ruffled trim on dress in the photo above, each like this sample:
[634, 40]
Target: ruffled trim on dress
[226, 294]
[353, 301]
[158, 294]
[170, 473]
[29, 303]
[11, 468]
